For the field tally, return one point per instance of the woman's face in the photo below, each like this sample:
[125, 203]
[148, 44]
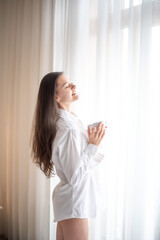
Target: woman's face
[66, 91]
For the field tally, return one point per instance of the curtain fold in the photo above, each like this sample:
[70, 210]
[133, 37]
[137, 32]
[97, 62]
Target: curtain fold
[112, 61]
[110, 49]
[26, 56]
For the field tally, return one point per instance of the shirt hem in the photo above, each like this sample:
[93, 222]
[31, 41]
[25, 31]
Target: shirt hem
[69, 217]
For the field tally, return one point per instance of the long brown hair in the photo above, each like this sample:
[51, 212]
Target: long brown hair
[44, 124]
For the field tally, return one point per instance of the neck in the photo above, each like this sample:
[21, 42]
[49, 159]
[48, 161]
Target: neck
[65, 107]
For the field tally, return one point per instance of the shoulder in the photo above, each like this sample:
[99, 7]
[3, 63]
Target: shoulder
[67, 133]
[66, 138]
[64, 126]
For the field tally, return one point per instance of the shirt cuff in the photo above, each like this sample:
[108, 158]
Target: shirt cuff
[91, 149]
[94, 154]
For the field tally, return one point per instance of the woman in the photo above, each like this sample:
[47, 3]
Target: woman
[61, 140]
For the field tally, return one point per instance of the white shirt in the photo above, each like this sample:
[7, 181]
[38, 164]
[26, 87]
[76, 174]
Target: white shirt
[77, 194]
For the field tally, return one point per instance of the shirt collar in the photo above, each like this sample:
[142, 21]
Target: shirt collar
[66, 114]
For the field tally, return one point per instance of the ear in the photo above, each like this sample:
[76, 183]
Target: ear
[57, 99]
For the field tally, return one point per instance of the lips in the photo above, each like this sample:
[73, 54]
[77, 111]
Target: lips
[74, 94]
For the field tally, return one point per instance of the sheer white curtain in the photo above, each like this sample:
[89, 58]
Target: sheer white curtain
[110, 49]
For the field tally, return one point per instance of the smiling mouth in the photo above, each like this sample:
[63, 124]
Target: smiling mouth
[74, 94]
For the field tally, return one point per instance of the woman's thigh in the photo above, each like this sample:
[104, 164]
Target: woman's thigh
[59, 232]
[75, 229]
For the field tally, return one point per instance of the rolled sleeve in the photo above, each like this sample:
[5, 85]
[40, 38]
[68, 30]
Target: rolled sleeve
[75, 163]
[93, 152]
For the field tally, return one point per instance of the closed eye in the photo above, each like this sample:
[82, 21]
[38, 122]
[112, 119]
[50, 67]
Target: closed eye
[69, 85]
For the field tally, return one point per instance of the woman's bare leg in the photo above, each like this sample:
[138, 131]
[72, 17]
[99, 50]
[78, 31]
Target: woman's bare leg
[75, 229]
[59, 232]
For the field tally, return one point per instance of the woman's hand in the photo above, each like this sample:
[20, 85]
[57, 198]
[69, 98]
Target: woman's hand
[96, 134]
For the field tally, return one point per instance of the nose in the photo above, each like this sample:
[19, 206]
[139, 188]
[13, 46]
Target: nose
[73, 86]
